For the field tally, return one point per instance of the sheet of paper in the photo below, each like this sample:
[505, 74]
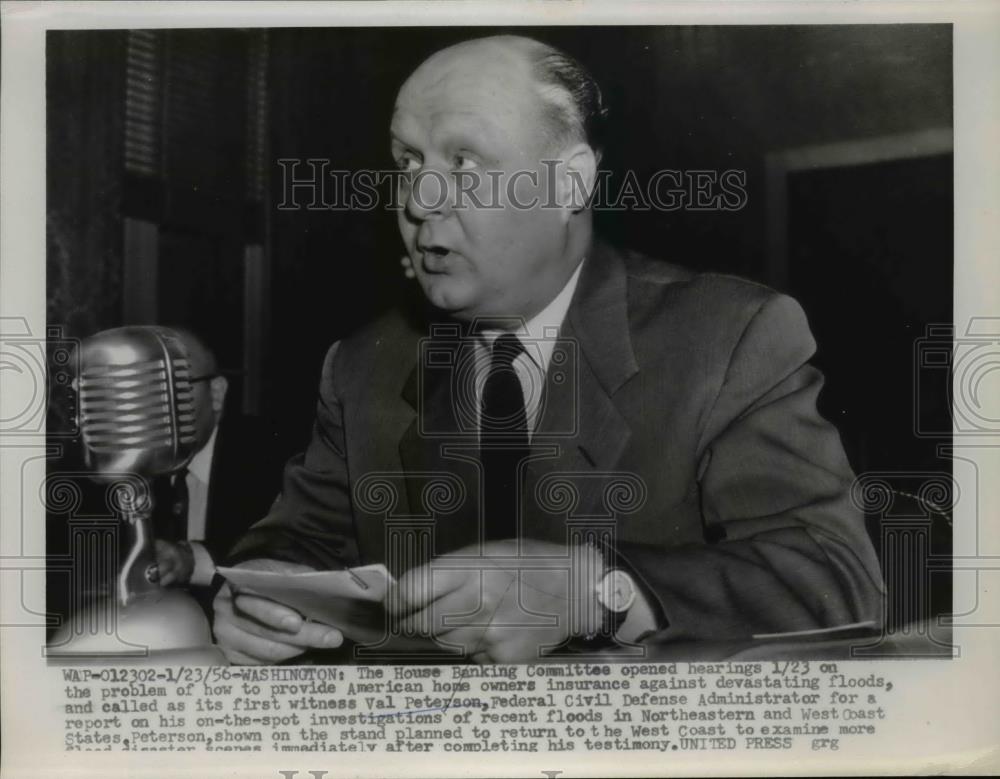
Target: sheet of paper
[352, 601]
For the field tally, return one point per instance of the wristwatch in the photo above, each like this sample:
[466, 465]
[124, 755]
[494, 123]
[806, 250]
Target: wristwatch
[616, 592]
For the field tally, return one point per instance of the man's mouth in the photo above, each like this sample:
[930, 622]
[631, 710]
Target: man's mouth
[435, 257]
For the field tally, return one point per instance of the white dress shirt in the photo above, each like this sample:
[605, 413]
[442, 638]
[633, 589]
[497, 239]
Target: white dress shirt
[199, 475]
[538, 336]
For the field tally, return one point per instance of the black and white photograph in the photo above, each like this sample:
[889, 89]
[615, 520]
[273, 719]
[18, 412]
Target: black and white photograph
[563, 377]
[539, 386]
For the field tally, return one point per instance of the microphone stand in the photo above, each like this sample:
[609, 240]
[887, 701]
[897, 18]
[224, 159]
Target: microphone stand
[135, 579]
[141, 622]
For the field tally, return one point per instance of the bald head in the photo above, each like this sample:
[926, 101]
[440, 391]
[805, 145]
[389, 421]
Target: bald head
[567, 101]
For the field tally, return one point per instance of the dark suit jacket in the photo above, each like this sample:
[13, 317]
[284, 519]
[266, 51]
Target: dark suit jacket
[243, 484]
[691, 392]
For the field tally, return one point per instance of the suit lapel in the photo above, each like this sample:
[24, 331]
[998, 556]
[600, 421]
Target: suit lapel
[441, 439]
[598, 316]
[591, 361]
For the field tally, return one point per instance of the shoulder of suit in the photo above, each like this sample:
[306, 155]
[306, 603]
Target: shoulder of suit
[382, 332]
[655, 282]
[379, 348]
[709, 312]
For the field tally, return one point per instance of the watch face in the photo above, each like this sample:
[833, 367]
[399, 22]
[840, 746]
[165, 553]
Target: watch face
[617, 591]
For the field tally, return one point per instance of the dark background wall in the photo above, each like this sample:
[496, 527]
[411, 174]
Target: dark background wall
[163, 181]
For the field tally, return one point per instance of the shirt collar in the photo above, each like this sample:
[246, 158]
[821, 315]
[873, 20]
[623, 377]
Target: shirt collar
[201, 464]
[539, 332]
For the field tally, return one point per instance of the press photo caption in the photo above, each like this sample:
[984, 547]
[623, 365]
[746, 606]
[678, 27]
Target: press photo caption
[577, 707]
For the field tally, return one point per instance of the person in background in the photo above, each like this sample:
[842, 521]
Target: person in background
[201, 510]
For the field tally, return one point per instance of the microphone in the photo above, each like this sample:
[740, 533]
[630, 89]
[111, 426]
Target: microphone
[137, 404]
[141, 412]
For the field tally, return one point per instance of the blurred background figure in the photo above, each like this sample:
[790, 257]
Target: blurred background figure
[226, 486]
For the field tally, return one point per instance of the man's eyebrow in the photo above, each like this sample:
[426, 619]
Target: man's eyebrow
[398, 145]
[398, 125]
[461, 130]
[467, 138]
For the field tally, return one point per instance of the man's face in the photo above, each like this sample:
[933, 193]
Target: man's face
[466, 124]
[208, 388]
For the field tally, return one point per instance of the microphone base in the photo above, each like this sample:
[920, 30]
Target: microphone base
[159, 627]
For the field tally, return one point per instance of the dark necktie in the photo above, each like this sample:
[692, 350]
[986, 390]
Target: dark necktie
[172, 499]
[503, 439]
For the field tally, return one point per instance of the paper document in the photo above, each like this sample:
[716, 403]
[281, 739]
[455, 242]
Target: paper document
[350, 600]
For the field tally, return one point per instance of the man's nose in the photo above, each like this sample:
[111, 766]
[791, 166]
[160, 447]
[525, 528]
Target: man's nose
[430, 195]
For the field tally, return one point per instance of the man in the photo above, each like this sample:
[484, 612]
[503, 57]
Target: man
[693, 391]
[201, 510]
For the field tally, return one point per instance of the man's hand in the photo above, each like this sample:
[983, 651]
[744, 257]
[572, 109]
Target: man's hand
[174, 563]
[503, 610]
[252, 630]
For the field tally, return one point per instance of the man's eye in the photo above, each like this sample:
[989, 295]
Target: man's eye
[408, 163]
[465, 162]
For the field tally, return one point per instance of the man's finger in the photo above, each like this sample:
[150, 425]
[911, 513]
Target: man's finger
[223, 601]
[422, 585]
[310, 634]
[431, 619]
[268, 612]
[234, 634]
[234, 639]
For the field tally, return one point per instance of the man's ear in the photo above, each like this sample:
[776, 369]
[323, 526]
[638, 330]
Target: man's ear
[220, 385]
[575, 178]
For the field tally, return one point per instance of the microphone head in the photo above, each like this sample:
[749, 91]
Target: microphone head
[137, 406]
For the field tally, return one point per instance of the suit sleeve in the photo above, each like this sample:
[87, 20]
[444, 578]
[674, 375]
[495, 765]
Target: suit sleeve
[311, 522]
[791, 551]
